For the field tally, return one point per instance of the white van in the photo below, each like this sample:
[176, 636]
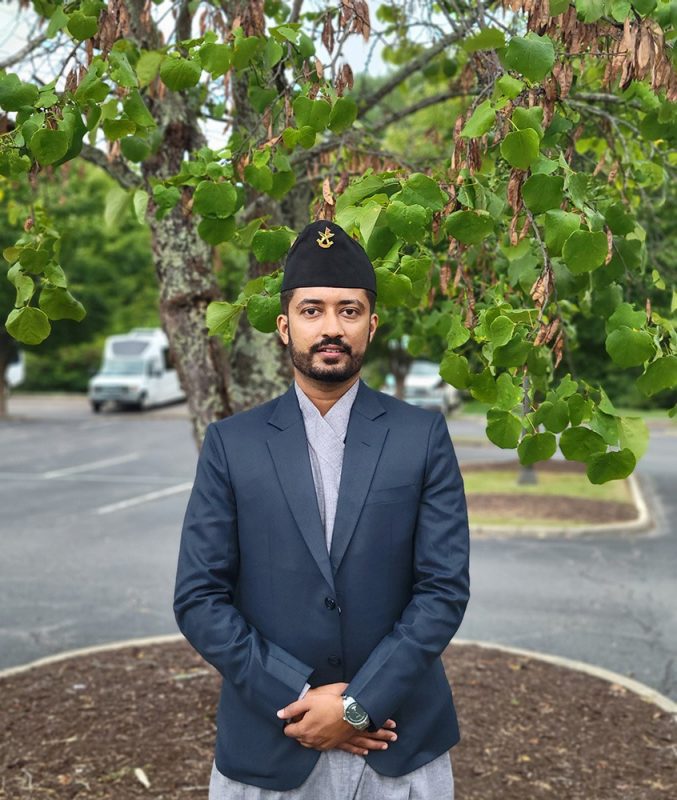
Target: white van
[136, 371]
[15, 372]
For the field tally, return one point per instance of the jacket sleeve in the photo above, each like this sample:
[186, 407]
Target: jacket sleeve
[267, 676]
[440, 591]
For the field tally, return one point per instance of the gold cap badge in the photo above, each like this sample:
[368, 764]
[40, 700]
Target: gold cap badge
[325, 238]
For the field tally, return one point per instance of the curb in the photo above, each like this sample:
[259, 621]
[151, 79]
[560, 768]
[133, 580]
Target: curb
[87, 651]
[643, 522]
[645, 692]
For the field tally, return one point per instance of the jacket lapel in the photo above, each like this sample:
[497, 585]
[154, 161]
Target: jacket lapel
[364, 442]
[289, 451]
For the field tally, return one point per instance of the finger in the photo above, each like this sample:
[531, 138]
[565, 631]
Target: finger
[390, 723]
[380, 735]
[369, 744]
[358, 751]
[297, 707]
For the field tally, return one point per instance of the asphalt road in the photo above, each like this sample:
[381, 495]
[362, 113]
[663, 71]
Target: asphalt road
[90, 519]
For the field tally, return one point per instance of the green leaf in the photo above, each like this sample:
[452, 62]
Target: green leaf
[532, 55]
[392, 288]
[25, 286]
[272, 53]
[48, 145]
[14, 94]
[407, 222]
[555, 416]
[454, 370]
[509, 393]
[503, 428]
[457, 334]
[542, 192]
[179, 73]
[483, 386]
[481, 120]
[579, 444]
[282, 183]
[215, 230]
[117, 128]
[260, 178]
[54, 274]
[659, 375]
[509, 86]
[314, 113]
[136, 109]
[469, 227]
[121, 70]
[419, 189]
[222, 319]
[272, 244]
[260, 98]
[610, 466]
[245, 50]
[140, 205]
[626, 315]
[135, 148]
[579, 409]
[416, 269]
[532, 118]
[81, 27]
[28, 325]
[618, 220]
[584, 251]
[512, 354]
[520, 148]
[59, 303]
[118, 202]
[216, 58]
[628, 347]
[633, 434]
[343, 114]
[486, 39]
[263, 312]
[536, 447]
[605, 425]
[215, 199]
[559, 225]
[501, 330]
[148, 66]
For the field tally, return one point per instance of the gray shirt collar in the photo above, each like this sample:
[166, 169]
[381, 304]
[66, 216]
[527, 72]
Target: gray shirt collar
[337, 416]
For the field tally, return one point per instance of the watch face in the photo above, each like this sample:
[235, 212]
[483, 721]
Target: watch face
[355, 714]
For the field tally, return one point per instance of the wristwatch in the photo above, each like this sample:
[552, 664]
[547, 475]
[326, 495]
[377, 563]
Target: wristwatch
[354, 713]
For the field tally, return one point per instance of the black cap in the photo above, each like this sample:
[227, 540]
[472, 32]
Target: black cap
[324, 255]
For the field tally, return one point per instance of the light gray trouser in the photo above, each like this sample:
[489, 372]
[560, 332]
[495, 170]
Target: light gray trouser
[339, 775]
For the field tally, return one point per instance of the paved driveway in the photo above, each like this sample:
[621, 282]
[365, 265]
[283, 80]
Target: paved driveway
[91, 512]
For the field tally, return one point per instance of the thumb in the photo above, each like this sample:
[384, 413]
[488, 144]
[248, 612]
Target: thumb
[297, 707]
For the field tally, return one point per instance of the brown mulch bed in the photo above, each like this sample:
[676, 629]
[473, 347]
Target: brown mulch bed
[574, 510]
[80, 728]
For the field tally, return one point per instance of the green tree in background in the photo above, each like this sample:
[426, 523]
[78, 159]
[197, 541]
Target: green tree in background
[511, 225]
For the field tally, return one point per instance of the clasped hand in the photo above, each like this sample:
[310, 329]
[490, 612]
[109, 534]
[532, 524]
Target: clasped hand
[317, 722]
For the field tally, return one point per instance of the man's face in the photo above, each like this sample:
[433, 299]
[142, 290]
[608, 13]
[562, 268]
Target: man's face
[328, 330]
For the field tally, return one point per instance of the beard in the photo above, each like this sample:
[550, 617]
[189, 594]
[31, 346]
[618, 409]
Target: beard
[348, 365]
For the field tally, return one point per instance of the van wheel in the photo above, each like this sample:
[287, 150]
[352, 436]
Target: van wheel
[143, 402]
[96, 406]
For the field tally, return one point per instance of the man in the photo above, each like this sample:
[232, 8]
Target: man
[323, 564]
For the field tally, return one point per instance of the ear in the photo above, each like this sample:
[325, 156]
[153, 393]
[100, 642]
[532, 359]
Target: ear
[282, 322]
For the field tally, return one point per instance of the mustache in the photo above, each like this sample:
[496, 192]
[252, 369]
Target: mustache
[346, 347]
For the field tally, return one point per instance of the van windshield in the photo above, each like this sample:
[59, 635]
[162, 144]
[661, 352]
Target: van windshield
[123, 366]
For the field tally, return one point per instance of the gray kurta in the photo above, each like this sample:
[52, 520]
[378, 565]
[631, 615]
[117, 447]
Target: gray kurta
[339, 775]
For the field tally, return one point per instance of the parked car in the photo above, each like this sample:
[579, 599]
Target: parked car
[15, 372]
[424, 387]
[136, 371]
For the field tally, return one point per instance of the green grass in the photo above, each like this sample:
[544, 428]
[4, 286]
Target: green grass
[549, 483]
[474, 407]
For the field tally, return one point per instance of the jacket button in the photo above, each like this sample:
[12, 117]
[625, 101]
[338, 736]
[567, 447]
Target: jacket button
[330, 603]
[334, 661]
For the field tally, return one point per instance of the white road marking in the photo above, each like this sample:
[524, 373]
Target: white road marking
[144, 498]
[22, 477]
[104, 462]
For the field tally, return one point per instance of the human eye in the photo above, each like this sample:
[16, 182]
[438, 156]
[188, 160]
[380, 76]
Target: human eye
[351, 312]
[307, 311]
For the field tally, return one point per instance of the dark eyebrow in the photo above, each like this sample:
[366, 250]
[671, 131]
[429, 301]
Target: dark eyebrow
[307, 300]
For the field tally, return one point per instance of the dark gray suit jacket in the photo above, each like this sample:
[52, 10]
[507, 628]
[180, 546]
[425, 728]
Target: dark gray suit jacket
[260, 598]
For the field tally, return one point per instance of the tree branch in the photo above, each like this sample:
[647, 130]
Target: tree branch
[424, 103]
[401, 75]
[27, 49]
[118, 170]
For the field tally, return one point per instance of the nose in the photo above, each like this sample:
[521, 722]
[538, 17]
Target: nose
[333, 325]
